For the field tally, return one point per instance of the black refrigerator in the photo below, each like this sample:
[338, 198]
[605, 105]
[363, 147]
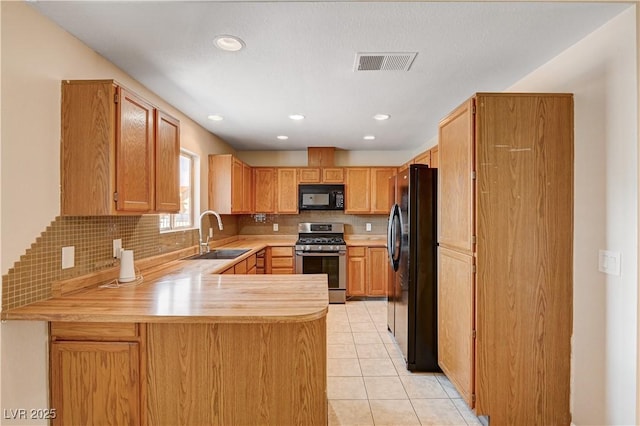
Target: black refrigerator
[412, 245]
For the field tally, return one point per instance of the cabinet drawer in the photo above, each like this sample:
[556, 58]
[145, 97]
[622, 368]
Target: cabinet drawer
[357, 251]
[93, 330]
[282, 262]
[281, 271]
[251, 261]
[281, 251]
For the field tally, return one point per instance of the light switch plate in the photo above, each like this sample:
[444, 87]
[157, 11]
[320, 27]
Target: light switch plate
[275, 227]
[609, 262]
[368, 227]
[68, 257]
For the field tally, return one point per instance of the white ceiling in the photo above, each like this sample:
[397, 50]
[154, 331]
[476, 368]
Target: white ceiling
[299, 58]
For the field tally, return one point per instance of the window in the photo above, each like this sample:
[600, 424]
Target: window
[184, 219]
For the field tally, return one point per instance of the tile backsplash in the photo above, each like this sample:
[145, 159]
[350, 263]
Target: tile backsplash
[31, 277]
[288, 224]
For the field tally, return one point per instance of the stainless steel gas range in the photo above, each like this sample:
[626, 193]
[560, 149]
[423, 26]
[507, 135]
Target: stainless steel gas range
[321, 249]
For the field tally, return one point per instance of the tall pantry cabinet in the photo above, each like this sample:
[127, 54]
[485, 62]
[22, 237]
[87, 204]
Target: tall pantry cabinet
[505, 255]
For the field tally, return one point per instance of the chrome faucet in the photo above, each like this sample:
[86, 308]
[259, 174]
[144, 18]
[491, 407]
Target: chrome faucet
[204, 245]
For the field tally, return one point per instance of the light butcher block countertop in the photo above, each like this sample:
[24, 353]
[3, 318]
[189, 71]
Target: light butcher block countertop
[366, 240]
[189, 291]
[192, 291]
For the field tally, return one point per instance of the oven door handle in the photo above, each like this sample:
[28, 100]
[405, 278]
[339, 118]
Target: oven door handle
[320, 253]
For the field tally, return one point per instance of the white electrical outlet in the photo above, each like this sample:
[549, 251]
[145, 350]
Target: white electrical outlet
[210, 232]
[609, 262]
[275, 227]
[117, 247]
[368, 227]
[68, 257]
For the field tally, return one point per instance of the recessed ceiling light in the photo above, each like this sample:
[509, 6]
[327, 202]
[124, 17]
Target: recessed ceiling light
[228, 42]
[381, 117]
[282, 137]
[369, 138]
[215, 117]
[296, 117]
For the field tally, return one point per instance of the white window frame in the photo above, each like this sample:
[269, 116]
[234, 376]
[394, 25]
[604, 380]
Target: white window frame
[172, 218]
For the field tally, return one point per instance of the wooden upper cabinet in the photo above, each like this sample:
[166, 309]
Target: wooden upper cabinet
[378, 271]
[230, 185]
[264, 189]
[108, 152]
[247, 189]
[167, 163]
[321, 175]
[367, 190]
[456, 181]
[424, 158]
[287, 191]
[333, 175]
[320, 156]
[358, 190]
[434, 157]
[310, 175]
[380, 196]
[134, 153]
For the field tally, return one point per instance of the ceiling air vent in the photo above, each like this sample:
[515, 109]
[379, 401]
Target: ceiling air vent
[384, 61]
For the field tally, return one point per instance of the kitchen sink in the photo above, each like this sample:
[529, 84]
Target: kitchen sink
[219, 254]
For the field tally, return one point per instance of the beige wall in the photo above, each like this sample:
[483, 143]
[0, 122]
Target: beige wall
[342, 158]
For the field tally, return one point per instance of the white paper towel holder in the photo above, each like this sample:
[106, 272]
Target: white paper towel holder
[127, 270]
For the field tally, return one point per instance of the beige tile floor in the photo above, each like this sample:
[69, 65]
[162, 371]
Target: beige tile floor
[367, 380]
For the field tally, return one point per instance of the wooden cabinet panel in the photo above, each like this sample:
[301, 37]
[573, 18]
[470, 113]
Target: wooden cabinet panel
[287, 196]
[247, 189]
[380, 196]
[134, 153]
[456, 320]
[333, 175]
[378, 271]
[456, 183]
[265, 186]
[309, 175]
[167, 164]
[240, 268]
[320, 156]
[358, 190]
[237, 186]
[230, 185]
[356, 273]
[279, 260]
[96, 383]
[434, 157]
[93, 330]
[423, 158]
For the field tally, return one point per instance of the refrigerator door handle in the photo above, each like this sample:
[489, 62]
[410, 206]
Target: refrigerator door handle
[394, 237]
[391, 235]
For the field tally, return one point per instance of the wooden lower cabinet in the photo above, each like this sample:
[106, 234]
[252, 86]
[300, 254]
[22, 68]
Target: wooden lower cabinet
[97, 374]
[378, 269]
[261, 373]
[356, 271]
[367, 271]
[279, 260]
[456, 290]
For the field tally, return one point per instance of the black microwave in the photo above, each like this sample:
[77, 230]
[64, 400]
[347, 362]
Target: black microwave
[321, 197]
